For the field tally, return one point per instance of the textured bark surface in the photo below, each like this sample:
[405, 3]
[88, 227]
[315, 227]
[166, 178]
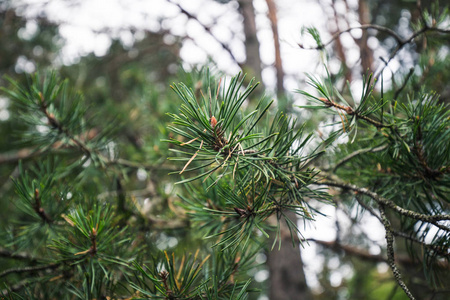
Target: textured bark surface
[287, 277]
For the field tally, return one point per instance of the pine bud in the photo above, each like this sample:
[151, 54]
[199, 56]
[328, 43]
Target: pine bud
[213, 122]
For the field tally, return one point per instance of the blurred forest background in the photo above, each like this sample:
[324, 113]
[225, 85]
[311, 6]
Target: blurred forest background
[127, 91]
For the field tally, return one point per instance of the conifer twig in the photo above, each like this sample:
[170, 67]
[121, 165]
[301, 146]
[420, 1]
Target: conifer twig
[18, 256]
[209, 31]
[29, 269]
[356, 153]
[390, 253]
[350, 111]
[432, 219]
[39, 209]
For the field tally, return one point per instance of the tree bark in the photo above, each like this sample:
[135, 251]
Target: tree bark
[287, 277]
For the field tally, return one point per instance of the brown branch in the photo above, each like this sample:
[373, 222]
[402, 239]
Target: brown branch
[93, 249]
[349, 110]
[56, 124]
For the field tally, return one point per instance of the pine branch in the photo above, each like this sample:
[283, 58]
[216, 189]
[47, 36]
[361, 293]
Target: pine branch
[354, 251]
[351, 112]
[362, 27]
[406, 41]
[21, 154]
[14, 288]
[368, 208]
[390, 253]
[356, 153]
[39, 209]
[444, 252]
[400, 41]
[29, 269]
[52, 120]
[19, 256]
[432, 219]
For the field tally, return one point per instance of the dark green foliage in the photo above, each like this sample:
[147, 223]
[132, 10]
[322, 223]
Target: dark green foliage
[89, 212]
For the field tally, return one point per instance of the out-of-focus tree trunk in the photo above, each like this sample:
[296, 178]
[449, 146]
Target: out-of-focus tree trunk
[253, 62]
[287, 277]
[276, 40]
[364, 49]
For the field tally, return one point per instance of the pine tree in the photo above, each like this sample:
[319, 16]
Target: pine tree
[241, 167]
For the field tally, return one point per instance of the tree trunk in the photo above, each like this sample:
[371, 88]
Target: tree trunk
[276, 40]
[253, 61]
[287, 277]
[365, 51]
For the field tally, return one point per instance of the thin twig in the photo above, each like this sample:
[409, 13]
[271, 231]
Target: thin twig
[362, 27]
[356, 153]
[368, 208]
[400, 42]
[208, 30]
[14, 288]
[39, 209]
[406, 41]
[350, 111]
[15, 156]
[397, 92]
[443, 251]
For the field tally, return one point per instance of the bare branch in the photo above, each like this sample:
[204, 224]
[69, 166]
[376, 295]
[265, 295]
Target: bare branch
[208, 30]
[362, 27]
[397, 92]
[400, 42]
